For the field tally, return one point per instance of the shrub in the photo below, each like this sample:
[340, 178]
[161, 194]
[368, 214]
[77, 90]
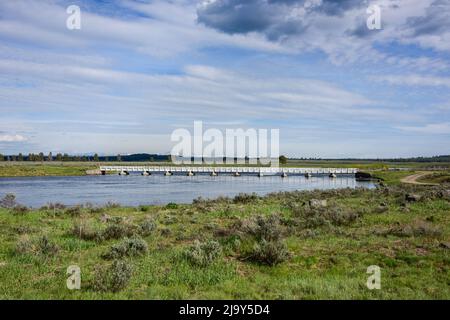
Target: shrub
[203, 254]
[245, 198]
[85, 232]
[268, 228]
[45, 247]
[8, 201]
[117, 230]
[172, 205]
[114, 277]
[112, 205]
[20, 210]
[24, 245]
[417, 228]
[147, 227]
[73, 211]
[132, 247]
[270, 252]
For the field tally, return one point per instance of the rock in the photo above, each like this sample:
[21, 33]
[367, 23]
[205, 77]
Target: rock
[411, 197]
[445, 245]
[105, 218]
[315, 203]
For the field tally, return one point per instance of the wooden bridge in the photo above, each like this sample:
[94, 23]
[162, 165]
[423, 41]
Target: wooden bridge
[236, 171]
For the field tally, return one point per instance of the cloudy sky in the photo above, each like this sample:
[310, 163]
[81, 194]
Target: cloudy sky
[137, 70]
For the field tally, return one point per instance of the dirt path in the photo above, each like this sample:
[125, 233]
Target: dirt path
[414, 177]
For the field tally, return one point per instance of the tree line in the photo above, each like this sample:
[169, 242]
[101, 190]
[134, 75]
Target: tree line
[64, 157]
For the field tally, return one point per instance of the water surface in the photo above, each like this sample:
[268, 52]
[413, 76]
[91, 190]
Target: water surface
[135, 190]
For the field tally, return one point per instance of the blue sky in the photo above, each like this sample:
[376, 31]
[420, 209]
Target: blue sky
[137, 70]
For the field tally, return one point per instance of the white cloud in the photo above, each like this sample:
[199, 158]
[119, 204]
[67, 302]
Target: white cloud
[432, 128]
[12, 138]
[414, 80]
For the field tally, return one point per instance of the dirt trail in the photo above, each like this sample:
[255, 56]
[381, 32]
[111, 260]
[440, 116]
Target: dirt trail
[414, 177]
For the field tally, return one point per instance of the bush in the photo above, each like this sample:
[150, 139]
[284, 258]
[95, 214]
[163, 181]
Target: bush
[270, 252]
[147, 227]
[46, 247]
[417, 228]
[117, 230]
[20, 210]
[114, 277]
[132, 247]
[203, 254]
[172, 205]
[73, 211]
[43, 246]
[267, 228]
[8, 201]
[24, 245]
[245, 198]
[85, 232]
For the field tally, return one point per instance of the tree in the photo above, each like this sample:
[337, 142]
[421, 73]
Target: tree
[41, 156]
[30, 157]
[20, 157]
[2, 157]
[59, 157]
[119, 157]
[13, 158]
[50, 156]
[96, 157]
[65, 157]
[283, 159]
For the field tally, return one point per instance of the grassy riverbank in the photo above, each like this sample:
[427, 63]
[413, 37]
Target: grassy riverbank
[282, 246]
[33, 169]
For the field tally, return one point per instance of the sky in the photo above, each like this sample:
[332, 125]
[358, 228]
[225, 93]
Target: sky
[138, 70]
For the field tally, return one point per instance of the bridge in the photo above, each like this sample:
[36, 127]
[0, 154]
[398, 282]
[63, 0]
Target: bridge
[235, 171]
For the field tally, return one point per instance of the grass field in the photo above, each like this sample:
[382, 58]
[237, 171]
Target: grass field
[24, 169]
[282, 246]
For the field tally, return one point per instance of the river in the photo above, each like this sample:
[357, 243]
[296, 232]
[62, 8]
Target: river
[135, 190]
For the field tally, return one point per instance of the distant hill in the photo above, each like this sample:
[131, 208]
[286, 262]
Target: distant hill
[138, 157]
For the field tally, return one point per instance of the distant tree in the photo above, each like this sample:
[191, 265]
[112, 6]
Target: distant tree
[13, 158]
[65, 157]
[41, 156]
[50, 156]
[119, 157]
[283, 159]
[30, 157]
[2, 157]
[20, 157]
[96, 157]
[106, 159]
[59, 157]
[84, 158]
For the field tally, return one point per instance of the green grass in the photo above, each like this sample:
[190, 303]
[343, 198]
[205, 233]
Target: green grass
[23, 169]
[326, 262]
[44, 169]
[437, 177]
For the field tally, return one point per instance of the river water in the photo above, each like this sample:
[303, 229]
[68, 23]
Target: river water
[135, 190]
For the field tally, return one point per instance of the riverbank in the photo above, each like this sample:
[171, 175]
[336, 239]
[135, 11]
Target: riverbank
[293, 245]
[391, 172]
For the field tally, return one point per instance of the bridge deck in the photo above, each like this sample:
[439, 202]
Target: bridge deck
[257, 170]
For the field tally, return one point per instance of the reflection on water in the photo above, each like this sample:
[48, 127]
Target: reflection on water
[157, 189]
